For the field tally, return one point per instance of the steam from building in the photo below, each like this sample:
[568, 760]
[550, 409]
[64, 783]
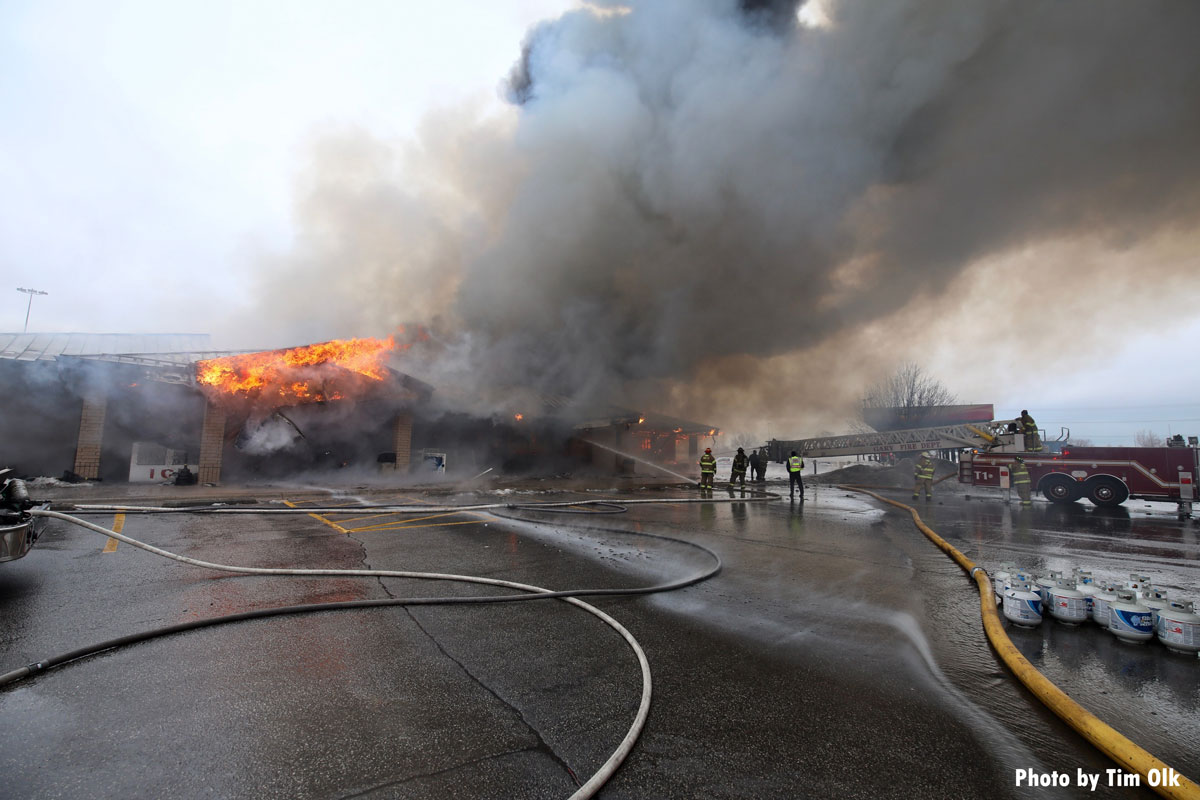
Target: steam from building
[716, 204]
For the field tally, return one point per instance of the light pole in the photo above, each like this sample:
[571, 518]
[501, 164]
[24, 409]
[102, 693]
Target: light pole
[31, 293]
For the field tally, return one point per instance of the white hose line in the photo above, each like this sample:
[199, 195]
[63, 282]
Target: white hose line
[409, 509]
[592, 785]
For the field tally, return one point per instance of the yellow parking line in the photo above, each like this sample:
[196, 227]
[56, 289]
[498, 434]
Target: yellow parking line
[402, 521]
[368, 516]
[401, 525]
[118, 523]
[319, 518]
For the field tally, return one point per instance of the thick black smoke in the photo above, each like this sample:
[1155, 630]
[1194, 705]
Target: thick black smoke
[691, 181]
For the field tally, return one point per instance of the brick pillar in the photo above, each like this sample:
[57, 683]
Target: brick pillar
[91, 434]
[402, 441]
[212, 442]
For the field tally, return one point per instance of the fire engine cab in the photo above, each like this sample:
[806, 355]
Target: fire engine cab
[1107, 476]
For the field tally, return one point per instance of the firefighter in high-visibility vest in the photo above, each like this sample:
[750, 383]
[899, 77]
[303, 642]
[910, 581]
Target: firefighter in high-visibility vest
[1020, 481]
[795, 468]
[708, 468]
[1033, 439]
[923, 477]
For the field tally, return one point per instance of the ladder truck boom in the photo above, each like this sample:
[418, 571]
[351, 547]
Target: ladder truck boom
[939, 437]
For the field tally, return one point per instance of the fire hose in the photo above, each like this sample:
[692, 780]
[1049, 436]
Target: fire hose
[1099, 733]
[528, 592]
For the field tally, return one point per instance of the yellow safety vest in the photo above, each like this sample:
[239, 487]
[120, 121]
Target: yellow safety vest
[795, 464]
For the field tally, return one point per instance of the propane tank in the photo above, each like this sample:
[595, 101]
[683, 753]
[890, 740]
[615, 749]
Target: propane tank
[1102, 602]
[1179, 628]
[1139, 583]
[1067, 604]
[1086, 585]
[1156, 600]
[1044, 584]
[1021, 576]
[1128, 619]
[1000, 580]
[1022, 605]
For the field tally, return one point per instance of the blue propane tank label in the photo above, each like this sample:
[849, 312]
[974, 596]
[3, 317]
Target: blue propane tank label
[1131, 621]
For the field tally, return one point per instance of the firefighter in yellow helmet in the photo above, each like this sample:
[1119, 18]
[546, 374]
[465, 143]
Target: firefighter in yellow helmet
[708, 468]
[923, 477]
[1020, 481]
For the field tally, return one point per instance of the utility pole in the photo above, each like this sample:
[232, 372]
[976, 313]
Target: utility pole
[31, 293]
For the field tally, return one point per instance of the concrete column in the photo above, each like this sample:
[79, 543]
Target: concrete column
[402, 441]
[212, 443]
[91, 434]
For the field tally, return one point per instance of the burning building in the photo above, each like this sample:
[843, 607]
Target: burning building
[153, 403]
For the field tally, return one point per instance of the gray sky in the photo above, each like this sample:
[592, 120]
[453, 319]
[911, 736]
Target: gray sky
[153, 155]
[149, 149]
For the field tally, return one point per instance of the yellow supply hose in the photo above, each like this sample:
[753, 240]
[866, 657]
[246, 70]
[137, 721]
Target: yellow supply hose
[1107, 739]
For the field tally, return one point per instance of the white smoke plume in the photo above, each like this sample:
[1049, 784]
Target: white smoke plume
[689, 193]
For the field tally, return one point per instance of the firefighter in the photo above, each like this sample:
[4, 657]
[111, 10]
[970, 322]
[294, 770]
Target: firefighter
[708, 468]
[740, 462]
[1020, 481]
[795, 467]
[1033, 439]
[923, 477]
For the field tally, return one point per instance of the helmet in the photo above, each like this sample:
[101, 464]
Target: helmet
[927, 454]
[740, 450]
[1020, 460]
[708, 449]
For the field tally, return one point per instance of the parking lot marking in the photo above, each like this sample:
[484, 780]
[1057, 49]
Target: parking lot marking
[404, 522]
[339, 525]
[319, 518]
[118, 523]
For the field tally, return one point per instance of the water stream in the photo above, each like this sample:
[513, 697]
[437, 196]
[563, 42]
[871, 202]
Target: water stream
[659, 467]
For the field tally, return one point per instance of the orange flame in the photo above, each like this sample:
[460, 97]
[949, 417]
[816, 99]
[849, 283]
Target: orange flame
[298, 374]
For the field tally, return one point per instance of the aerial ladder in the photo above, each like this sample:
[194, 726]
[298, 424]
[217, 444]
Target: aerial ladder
[940, 437]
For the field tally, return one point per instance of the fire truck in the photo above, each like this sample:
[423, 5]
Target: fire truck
[1107, 476]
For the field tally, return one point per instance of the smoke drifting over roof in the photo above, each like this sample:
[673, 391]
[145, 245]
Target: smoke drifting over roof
[686, 183]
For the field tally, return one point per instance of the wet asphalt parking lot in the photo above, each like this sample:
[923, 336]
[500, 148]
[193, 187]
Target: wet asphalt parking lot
[836, 654]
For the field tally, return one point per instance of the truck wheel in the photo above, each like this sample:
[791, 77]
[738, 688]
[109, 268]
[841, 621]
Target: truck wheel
[1060, 489]
[1106, 492]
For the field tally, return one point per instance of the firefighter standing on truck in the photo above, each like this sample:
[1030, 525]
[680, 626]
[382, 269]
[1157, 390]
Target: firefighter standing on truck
[708, 468]
[740, 462]
[1033, 439]
[1020, 481]
[795, 467]
[923, 477]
